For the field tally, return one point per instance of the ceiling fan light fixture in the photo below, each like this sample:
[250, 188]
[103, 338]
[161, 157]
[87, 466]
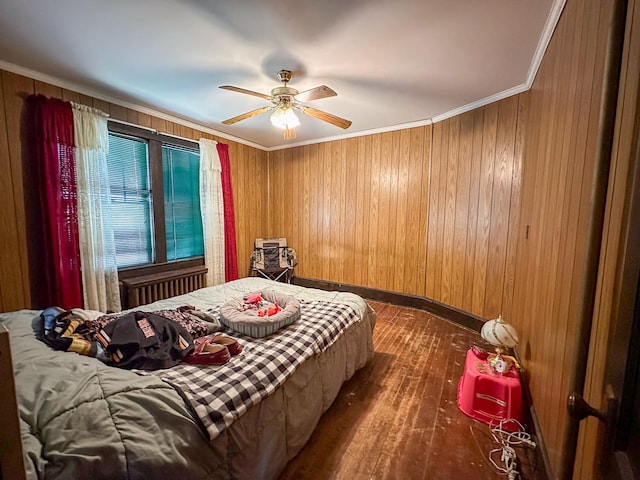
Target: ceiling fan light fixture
[284, 99]
[283, 117]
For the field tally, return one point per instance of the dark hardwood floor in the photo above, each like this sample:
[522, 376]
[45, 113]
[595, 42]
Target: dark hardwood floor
[397, 418]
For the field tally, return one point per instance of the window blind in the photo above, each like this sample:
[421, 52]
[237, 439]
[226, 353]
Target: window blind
[183, 223]
[128, 163]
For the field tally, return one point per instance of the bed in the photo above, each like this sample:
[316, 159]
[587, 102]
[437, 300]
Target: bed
[80, 418]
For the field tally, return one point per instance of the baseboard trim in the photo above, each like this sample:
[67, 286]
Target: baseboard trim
[541, 452]
[453, 314]
[542, 456]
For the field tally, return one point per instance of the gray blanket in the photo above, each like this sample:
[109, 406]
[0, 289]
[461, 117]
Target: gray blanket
[83, 419]
[79, 416]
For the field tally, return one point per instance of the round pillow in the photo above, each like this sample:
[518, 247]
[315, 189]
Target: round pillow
[235, 315]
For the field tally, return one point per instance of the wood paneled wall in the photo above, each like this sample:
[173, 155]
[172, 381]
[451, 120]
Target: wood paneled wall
[425, 211]
[487, 211]
[559, 159]
[18, 279]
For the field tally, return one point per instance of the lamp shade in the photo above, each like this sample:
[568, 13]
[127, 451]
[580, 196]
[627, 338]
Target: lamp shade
[283, 117]
[499, 333]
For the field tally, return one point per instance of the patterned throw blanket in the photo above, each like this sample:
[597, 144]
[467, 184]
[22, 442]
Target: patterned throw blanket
[221, 394]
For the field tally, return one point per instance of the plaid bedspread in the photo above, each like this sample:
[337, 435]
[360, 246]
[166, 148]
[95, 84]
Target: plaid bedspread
[221, 394]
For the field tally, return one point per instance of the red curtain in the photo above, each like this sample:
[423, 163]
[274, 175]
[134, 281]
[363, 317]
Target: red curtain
[56, 181]
[230, 251]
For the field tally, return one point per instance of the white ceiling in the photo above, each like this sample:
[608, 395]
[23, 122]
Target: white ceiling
[393, 63]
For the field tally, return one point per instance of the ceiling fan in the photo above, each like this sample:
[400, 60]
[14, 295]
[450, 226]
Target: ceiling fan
[285, 99]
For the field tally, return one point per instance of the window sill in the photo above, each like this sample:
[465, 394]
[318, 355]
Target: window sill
[131, 272]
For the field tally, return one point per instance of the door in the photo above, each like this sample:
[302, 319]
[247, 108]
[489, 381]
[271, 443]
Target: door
[622, 366]
[613, 368]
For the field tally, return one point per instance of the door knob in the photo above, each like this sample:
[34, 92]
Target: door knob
[579, 409]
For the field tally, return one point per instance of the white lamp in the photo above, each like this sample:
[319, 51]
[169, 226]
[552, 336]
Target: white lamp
[501, 335]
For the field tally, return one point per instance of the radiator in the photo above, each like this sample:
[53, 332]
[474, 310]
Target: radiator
[158, 286]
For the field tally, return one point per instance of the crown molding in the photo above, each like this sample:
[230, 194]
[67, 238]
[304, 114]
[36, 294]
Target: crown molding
[360, 133]
[10, 67]
[545, 39]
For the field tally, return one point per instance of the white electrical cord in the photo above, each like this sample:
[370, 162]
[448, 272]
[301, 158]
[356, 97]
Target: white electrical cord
[509, 439]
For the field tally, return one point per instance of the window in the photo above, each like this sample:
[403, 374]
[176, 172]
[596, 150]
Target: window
[183, 224]
[155, 197]
[128, 163]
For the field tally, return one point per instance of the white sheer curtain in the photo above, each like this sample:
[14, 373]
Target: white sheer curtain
[97, 245]
[211, 205]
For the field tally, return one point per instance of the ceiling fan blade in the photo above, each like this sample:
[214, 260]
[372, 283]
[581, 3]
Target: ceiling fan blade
[248, 92]
[327, 117]
[244, 116]
[315, 94]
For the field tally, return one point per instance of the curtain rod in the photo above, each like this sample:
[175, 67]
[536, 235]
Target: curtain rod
[81, 106]
[132, 124]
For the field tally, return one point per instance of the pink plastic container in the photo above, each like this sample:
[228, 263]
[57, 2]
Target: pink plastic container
[487, 396]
